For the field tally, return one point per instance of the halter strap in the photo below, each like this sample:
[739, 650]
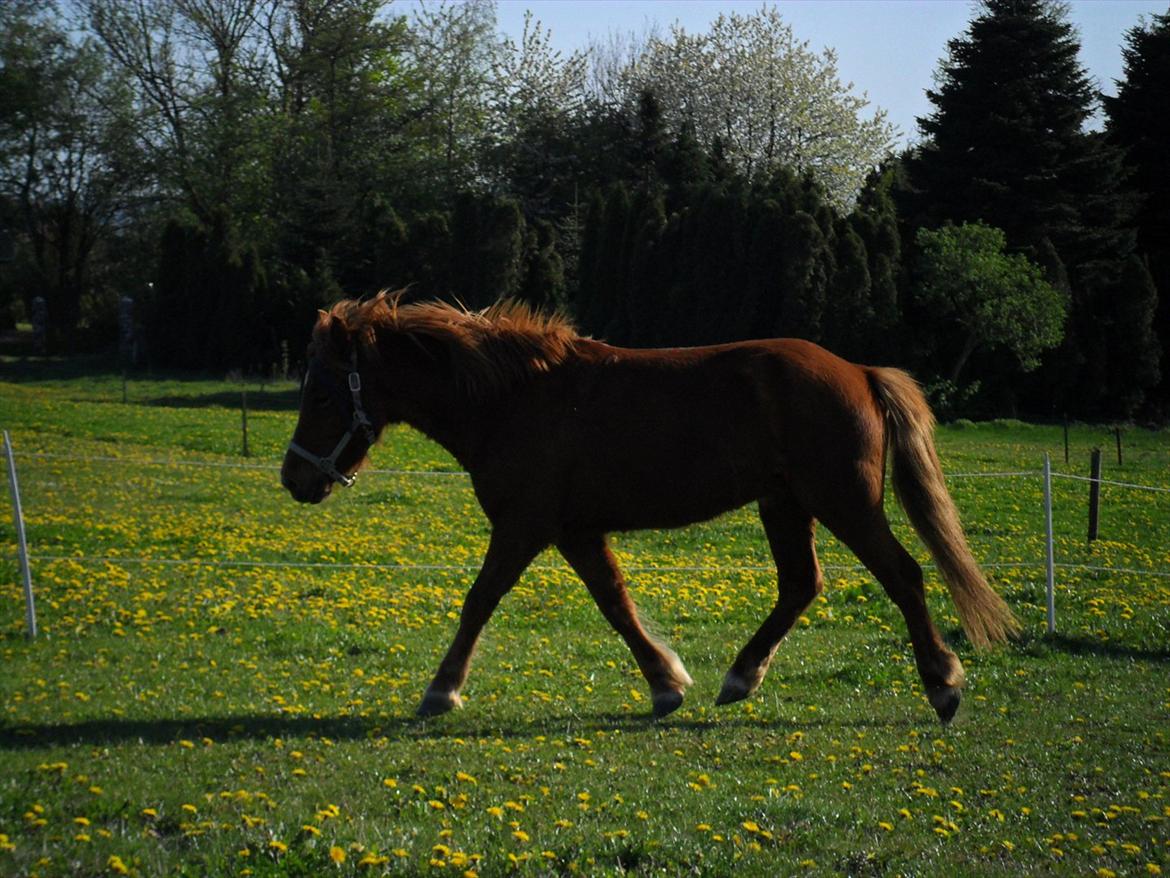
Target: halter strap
[359, 420]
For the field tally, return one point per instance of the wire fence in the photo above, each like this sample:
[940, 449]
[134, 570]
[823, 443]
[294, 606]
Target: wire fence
[37, 556]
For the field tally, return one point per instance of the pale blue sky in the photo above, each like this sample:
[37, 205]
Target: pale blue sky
[886, 48]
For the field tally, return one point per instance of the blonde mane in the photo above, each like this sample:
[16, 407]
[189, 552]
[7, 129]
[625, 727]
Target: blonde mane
[490, 350]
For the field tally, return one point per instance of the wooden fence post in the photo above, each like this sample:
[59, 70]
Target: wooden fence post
[1094, 492]
[244, 417]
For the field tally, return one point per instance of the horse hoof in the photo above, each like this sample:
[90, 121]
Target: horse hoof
[435, 703]
[945, 701]
[666, 703]
[735, 688]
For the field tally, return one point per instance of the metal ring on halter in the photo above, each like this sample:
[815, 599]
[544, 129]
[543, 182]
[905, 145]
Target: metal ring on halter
[358, 420]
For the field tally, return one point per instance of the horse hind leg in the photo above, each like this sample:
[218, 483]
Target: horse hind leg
[791, 535]
[900, 575]
[591, 558]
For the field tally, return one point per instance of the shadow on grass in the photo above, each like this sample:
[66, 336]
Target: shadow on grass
[250, 727]
[258, 400]
[1073, 645]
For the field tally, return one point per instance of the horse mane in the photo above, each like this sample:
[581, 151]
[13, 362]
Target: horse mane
[489, 351]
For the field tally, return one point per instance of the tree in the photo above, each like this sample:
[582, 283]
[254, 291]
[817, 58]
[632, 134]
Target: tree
[67, 167]
[194, 66]
[452, 50]
[1139, 122]
[767, 97]
[1006, 145]
[997, 299]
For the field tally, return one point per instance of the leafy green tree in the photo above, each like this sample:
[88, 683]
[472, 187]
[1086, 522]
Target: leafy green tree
[996, 299]
[452, 49]
[68, 171]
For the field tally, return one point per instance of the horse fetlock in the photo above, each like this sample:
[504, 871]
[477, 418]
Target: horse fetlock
[737, 687]
[437, 701]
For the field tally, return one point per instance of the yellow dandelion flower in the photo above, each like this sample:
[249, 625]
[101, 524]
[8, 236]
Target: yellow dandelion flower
[115, 864]
[337, 854]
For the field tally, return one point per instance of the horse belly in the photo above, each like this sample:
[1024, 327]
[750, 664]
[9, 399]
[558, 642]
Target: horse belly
[668, 483]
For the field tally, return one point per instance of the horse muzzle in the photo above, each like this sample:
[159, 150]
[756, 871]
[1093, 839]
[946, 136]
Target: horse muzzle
[304, 484]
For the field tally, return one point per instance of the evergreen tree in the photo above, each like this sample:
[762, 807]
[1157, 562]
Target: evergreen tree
[543, 284]
[1005, 145]
[1139, 122]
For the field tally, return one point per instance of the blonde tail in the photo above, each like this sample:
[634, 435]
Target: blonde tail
[919, 486]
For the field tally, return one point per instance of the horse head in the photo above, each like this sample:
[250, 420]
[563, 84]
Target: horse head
[338, 420]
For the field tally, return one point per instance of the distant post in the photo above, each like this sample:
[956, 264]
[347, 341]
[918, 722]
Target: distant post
[30, 608]
[244, 417]
[1094, 492]
[1049, 544]
[39, 317]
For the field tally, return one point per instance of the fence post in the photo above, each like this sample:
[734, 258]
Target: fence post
[244, 417]
[1094, 492]
[1049, 543]
[30, 608]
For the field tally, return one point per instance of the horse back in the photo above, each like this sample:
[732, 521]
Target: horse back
[620, 439]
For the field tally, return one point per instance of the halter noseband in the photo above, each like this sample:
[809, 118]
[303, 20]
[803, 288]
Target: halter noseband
[358, 421]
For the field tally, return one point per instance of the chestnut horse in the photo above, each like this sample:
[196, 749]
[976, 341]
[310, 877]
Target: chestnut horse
[567, 439]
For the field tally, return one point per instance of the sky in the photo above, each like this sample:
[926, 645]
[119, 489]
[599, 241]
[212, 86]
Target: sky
[888, 49]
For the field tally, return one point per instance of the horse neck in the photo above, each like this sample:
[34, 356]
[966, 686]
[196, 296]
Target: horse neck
[443, 413]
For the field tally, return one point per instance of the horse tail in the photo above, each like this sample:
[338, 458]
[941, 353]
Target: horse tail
[919, 487]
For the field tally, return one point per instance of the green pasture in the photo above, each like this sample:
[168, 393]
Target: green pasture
[225, 681]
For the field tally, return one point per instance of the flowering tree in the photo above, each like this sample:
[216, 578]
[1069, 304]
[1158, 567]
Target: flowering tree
[767, 98]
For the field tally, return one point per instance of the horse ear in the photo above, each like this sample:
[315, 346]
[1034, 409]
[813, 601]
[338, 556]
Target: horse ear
[339, 337]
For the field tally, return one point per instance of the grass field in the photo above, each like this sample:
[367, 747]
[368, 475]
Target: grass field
[225, 681]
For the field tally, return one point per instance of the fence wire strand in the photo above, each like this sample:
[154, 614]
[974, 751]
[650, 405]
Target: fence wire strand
[644, 568]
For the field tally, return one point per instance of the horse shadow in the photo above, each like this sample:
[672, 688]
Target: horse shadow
[241, 727]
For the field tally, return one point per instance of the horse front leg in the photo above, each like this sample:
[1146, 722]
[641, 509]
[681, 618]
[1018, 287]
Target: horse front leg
[590, 557]
[506, 558]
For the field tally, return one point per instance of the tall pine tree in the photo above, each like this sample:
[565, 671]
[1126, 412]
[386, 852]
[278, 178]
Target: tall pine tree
[1006, 145]
[1139, 122]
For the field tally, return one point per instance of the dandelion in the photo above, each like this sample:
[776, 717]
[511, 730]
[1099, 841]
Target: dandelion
[337, 855]
[116, 865]
[279, 846]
